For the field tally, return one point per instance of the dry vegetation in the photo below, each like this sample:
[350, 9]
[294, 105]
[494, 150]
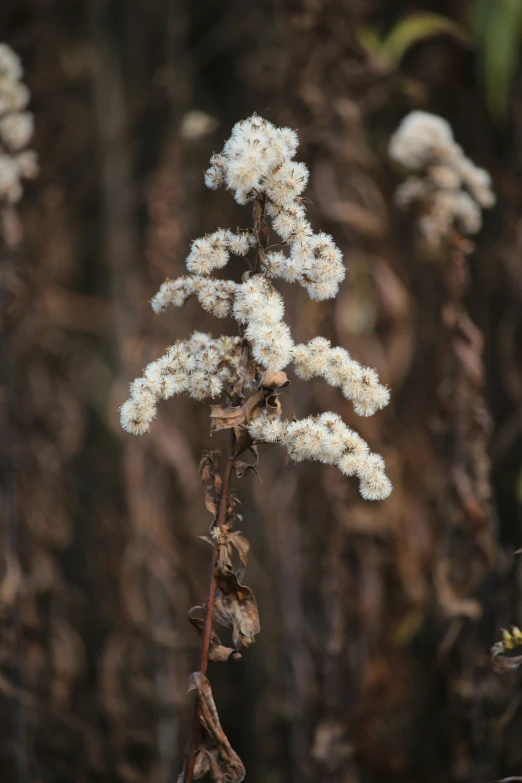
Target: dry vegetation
[377, 618]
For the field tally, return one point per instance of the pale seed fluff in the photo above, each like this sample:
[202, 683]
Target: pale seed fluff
[16, 129]
[196, 366]
[450, 187]
[328, 440]
[257, 164]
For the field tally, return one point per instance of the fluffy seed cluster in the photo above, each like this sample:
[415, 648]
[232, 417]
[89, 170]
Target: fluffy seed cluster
[335, 365]
[451, 189]
[213, 250]
[214, 296]
[257, 161]
[259, 306]
[327, 439]
[199, 366]
[257, 165]
[16, 128]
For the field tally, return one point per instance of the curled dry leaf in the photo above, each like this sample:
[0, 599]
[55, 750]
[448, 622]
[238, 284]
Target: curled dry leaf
[222, 417]
[209, 470]
[217, 651]
[246, 369]
[506, 656]
[226, 545]
[242, 468]
[214, 753]
[501, 662]
[273, 405]
[253, 405]
[236, 607]
[243, 440]
[274, 380]
[235, 540]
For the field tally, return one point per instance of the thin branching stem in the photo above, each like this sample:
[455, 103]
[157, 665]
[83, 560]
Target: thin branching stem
[209, 610]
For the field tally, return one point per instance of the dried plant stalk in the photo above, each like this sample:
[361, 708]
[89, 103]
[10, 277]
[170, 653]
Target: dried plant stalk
[257, 165]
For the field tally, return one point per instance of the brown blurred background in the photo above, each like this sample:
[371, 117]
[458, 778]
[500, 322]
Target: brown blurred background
[377, 619]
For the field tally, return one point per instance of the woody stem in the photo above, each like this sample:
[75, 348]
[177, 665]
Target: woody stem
[190, 759]
[261, 232]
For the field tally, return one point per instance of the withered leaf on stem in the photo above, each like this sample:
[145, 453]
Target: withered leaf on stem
[217, 651]
[223, 417]
[214, 753]
[246, 369]
[236, 607]
[243, 440]
[274, 380]
[273, 404]
[502, 661]
[242, 547]
[209, 466]
[242, 468]
[225, 546]
[211, 503]
[252, 406]
[209, 469]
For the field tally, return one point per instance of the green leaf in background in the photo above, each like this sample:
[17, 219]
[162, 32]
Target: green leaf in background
[369, 38]
[409, 31]
[415, 28]
[497, 25]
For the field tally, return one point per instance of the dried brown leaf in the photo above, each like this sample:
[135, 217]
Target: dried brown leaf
[210, 501]
[243, 440]
[502, 662]
[252, 406]
[230, 541]
[223, 417]
[241, 467]
[246, 369]
[241, 545]
[274, 380]
[214, 754]
[217, 651]
[273, 404]
[209, 469]
[236, 607]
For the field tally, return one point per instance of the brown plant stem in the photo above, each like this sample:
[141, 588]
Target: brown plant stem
[261, 232]
[190, 759]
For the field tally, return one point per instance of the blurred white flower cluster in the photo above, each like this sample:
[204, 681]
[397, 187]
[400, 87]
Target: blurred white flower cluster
[16, 128]
[450, 188]
[256, 164]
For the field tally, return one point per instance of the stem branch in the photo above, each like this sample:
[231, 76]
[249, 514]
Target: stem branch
[190, 759]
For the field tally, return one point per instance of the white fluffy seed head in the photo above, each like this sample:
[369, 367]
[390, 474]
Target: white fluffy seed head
[16, 129]
[256, 163]
[377, 488]
[420, 139]
[10, 64]
[328, 440]
[267, 428]
[286, 182]
[240, 244]
[452, 190]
